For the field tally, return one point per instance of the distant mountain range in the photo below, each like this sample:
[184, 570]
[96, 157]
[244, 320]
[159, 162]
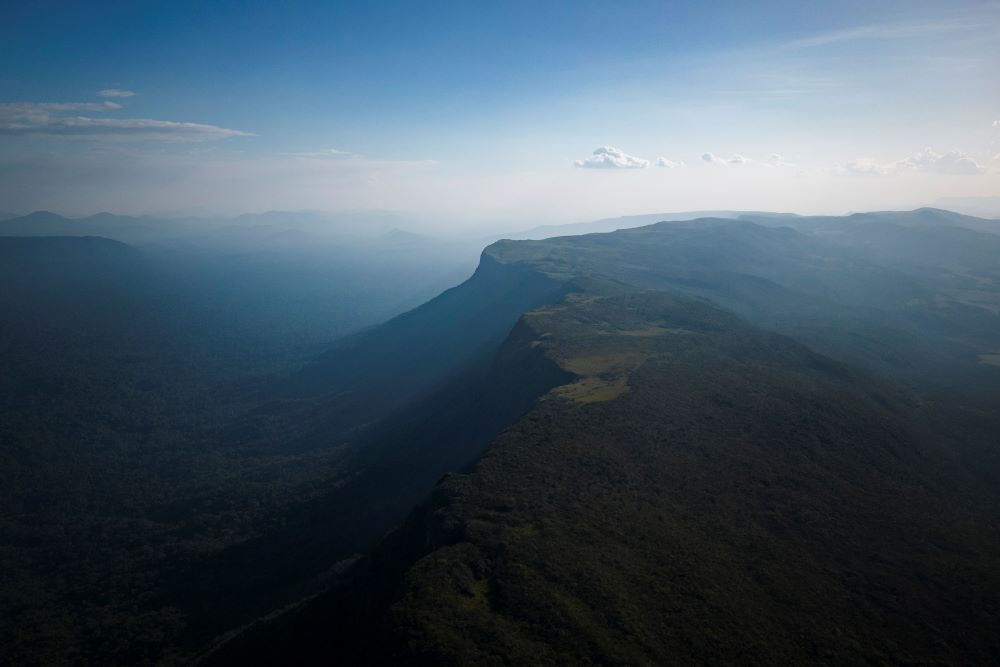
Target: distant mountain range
[630, 221]
[283, 228]
[984, 207]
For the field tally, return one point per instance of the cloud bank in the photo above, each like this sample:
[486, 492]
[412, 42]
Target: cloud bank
[952, 162]
[926, 161]
[609, 157]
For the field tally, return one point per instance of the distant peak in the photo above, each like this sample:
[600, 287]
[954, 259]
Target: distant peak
[45, 214]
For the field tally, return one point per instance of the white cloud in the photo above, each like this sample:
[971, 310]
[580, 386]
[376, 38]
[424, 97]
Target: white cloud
[996, 123]
[712, 158]
[17, 116]
[865, 165]
[134, 127]
[115, 92]
[39, 109]
[324, 153]
[739, 160]
[778, 160]
[50, 119]
[669, 164]
[952, 162]
[882, 32]
[927, 161]
[609, 157]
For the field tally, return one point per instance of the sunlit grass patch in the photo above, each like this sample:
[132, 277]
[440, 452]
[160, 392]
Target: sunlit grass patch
[593, 389]
[603, 363]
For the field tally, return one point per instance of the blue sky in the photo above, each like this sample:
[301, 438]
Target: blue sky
[477, 111]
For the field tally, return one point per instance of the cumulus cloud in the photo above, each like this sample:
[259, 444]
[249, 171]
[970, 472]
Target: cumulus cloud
[926, 161]
[115, 92]
[736, 158]
[778, 160]
[51, 119]
[996, 123]
[669, 164]
[865, 166]
[952, 162]
[609, 157]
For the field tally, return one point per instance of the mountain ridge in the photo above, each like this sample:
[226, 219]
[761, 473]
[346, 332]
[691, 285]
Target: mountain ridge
[456, 599]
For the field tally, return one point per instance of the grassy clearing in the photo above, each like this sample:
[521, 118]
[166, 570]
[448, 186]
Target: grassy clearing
[604, 364]
[654, 331]
[602, 341]
[593, 389]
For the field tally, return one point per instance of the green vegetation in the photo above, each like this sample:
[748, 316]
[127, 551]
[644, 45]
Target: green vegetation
[702, 491]
[770, 440]
[746, 501]
[149, 463]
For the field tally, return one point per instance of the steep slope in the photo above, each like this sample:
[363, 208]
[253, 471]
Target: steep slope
[369, 375]
[406, 402]
[701, 492]
[387, 473]
[141, 484]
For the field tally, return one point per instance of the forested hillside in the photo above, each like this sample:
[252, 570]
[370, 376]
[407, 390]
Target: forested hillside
[702, 490]
[700, 438]
[134, 445]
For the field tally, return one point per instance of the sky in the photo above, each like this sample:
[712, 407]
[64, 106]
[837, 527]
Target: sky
[469, 112]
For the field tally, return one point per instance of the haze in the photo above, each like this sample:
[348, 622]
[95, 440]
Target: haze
[521, 113]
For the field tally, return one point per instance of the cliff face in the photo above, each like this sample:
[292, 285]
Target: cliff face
[411, 352]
